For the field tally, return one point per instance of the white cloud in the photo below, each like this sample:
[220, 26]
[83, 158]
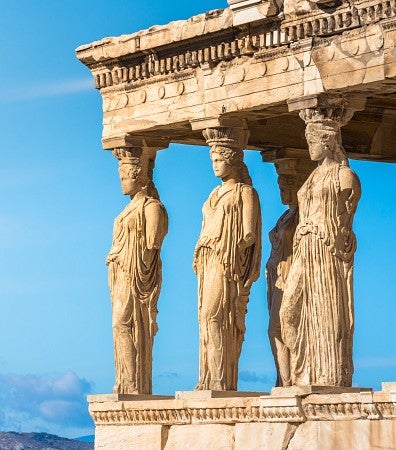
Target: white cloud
[44, 402]
[50, 89]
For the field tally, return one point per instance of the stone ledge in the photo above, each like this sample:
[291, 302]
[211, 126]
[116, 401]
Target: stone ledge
[102, 398]
[291, 391]
[207, 394]
[244, 409]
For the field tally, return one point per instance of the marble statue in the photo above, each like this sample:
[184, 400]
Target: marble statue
[135, 273]
[317, 307]
[226, 261]
[292, 173]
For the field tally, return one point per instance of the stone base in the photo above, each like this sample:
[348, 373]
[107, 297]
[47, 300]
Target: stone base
[291, 391]
[203, 395]
[316, 421]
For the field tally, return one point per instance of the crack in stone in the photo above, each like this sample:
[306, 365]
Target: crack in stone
[290, 432]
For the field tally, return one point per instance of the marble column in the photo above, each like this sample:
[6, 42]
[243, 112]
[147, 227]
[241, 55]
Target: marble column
[135, 271]
[316, 314]
[226, 260]
[292, 173]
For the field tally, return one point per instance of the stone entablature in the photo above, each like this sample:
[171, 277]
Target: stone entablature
[156, 82]
[211, 38]
[363, 405]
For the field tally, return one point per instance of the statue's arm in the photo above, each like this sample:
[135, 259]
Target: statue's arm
[249, 216]
[350, 192]
[156, 225]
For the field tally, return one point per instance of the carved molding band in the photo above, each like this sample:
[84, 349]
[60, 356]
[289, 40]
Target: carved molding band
[229, 415]
[137, 68]
[341, 20]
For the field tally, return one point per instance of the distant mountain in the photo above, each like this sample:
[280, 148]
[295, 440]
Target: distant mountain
[39, 441]
[89, 438]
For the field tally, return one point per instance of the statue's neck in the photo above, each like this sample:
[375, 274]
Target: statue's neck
[139, 194]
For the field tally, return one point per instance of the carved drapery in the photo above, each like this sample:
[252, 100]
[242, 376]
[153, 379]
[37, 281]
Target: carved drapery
[317, 307]
[292, 173]
[135, 271]
[226, 260]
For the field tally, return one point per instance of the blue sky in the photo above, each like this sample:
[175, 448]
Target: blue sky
[59, 194]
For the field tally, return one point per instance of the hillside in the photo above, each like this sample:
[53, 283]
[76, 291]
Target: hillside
[39, 441]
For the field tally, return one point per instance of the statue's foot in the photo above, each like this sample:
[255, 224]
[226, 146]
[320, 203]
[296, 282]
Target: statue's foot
[199, 387]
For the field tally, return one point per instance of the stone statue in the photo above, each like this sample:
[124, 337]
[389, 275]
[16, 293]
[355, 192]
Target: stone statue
[135, 273]
[292, 173]
[317, 307]
[226, 260]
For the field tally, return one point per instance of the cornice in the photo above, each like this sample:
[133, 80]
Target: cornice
[264, 40]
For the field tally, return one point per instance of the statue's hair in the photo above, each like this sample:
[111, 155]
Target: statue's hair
[327, 135]
[233, 157]
[135, 168]
[141, 167]
[151, 189]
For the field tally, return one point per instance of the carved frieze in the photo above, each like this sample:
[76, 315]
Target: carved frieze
[127, 414]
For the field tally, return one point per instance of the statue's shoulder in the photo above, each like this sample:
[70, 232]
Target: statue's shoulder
[154, 205]
[153, 202]
[348, 177]
[245, 187]
[247, 190]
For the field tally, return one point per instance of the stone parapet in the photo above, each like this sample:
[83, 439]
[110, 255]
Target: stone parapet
[247, 422]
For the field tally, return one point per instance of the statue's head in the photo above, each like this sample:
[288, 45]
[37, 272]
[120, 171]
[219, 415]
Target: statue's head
[322, 141]
[226, 152]
[292, 173]
[323, 132]
[133, 170]
[288, 187]
[226, 161]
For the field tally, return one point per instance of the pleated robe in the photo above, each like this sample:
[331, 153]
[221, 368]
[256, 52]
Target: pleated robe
[225, 272]
[135, 277]
[317, 306]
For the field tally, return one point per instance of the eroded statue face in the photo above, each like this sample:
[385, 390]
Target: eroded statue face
[220, 166]
[288, 189]
[130, 180]
[319, 144]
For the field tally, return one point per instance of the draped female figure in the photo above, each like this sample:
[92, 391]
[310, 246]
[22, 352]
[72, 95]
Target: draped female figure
[292, 173]
[135, 277]
[226, 261]
[317, 307]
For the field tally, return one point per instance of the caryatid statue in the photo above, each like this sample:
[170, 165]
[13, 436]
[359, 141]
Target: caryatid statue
[292, 173]
[226, 260]
[316, 314]
[135, 272]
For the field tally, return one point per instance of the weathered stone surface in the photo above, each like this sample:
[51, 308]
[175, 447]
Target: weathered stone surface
[135, 271]
[226, 260]
[345, 435]
[263, 436]
[245, 11]
[205, 394]
[316, 421]
[138, 437]
[167, 76]
[292, 173]
[292, 391]
[101, 398]
[200, 437]
[316, 314]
